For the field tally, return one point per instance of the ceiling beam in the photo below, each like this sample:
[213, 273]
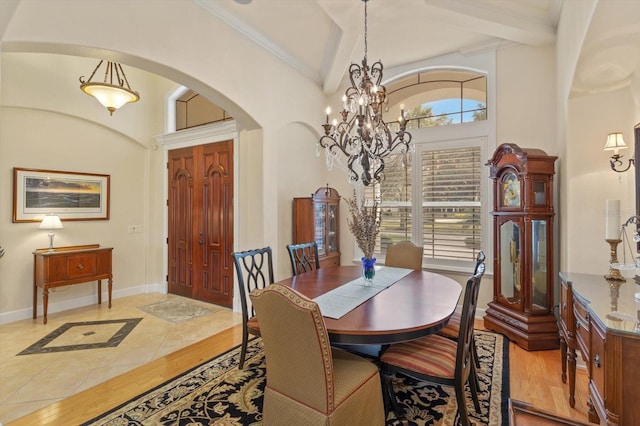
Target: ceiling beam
[478, 17]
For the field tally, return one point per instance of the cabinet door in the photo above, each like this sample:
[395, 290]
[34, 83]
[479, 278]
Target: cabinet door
[540, 279]
[320, 221]
[332, 228]
[510, 283]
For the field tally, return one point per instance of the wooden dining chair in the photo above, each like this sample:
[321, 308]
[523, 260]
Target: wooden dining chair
[404, 254]
[308, 381]
[452, 329]
[436, 359]
[255, 270]
[304, 257]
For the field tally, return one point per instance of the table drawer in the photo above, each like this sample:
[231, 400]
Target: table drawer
[597, 357]
[582, 325]
[81, 265]
[566, 308]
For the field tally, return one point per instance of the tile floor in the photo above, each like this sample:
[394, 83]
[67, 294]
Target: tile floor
[43, 376]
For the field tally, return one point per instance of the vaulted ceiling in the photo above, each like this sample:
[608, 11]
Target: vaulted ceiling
[321, 38]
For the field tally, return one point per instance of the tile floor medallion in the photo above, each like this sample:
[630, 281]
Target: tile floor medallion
[74, 336]
[175, 311]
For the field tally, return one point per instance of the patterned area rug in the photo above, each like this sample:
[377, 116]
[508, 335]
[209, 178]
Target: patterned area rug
[175, 310]
[218, 393]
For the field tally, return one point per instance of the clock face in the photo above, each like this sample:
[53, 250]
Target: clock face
[510, 190]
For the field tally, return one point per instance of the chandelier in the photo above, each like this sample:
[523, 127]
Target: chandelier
[114, 91]
[362, 136]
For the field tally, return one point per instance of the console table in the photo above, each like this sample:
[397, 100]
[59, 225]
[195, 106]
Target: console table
[70, 265]
[602, 319]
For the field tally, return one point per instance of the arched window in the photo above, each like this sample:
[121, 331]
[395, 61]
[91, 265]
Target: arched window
[439, 98]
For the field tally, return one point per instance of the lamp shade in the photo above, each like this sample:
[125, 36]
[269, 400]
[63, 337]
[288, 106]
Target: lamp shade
[110, 96]
[51, 222]
[615, 141]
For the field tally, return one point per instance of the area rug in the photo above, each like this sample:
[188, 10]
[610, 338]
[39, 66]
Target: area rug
[218, 393]
[175, 310]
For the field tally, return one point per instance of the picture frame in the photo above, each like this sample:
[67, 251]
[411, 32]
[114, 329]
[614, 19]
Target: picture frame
[69, 195]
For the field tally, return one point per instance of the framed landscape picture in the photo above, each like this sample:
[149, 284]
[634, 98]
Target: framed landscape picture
[69, 195]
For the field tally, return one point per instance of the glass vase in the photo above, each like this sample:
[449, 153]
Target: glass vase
[368, 270]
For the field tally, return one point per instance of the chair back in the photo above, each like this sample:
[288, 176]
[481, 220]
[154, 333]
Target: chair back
[467, 317]
[304, 257]
[296, 346]
[404, 254]
[255, 270]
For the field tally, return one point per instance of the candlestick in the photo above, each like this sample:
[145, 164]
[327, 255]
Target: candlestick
[614, 273]
[613, 220]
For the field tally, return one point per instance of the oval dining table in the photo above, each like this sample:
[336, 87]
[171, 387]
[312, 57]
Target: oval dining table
[418, 304]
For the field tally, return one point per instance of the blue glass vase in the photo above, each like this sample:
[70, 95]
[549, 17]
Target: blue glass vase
[368, 270]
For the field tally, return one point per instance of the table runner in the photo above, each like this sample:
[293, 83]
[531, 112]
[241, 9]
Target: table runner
[337, 302]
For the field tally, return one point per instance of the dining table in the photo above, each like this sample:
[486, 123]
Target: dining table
[416, 304]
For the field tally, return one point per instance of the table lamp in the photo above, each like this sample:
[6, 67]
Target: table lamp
[50, 223]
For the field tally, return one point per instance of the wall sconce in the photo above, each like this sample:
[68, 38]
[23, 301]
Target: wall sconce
[615, 142]
[50, 223]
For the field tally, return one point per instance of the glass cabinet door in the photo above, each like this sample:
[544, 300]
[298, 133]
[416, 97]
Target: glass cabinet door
[539, 276]
[320, 213]
[332, 228]
[510, 262]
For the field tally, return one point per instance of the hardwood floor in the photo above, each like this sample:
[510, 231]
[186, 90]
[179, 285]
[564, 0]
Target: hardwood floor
[534, 378]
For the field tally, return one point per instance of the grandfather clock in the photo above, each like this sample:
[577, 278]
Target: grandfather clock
[523, 285]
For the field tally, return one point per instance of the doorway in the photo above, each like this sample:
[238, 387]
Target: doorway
[200, 219]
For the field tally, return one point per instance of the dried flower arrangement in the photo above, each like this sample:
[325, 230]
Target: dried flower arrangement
[364, 223]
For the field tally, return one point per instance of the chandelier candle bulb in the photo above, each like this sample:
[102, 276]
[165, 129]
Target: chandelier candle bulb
[613, 220]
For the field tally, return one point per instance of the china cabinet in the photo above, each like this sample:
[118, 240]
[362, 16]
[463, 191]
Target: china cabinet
[522, 305]
[316, 218]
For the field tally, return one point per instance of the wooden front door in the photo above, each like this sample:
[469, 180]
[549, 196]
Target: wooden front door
[201, 222]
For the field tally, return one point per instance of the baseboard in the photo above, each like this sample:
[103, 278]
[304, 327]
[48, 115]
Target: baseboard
[27, 313]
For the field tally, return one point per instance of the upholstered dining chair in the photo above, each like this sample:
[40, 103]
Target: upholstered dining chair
[304, 257]
[404, 254]
[436, 359]
[255, 270]
[308, 381]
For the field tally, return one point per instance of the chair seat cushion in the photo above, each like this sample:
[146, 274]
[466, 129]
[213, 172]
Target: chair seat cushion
[452, 329]
[431, 355]
[253, 326]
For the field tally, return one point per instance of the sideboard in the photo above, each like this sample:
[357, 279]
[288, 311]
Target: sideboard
[601, 319]
[70, 265]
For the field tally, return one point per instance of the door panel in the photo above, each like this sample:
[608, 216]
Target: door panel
[201, 222]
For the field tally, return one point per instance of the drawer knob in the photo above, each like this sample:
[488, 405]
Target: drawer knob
[564, 306]
[596, 360]
[80, 266]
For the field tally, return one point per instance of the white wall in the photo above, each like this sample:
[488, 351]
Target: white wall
[591, 180]
[46, 140]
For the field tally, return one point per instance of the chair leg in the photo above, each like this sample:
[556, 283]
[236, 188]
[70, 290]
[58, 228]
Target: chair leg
[389, 398]
[243, 349]
[462, 407]
[473, 385]
[474, 351]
